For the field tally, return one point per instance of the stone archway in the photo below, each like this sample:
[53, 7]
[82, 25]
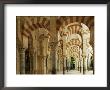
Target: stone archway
[77, 34]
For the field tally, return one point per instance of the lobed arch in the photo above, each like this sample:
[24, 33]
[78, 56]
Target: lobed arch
[75, 55]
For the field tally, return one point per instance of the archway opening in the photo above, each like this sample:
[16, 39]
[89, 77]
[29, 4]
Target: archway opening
[72, 63]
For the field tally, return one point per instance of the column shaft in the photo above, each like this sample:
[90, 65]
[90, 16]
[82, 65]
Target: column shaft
[22, 61]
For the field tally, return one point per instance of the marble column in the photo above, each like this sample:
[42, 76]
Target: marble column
[53, 41]
[53, 57]
[17, 62]
[69, 63]
[44, 64]
[80, 66]
[22, 60]
[76, 64]
[84, 54]
[80, 60]
[64, 63]
[58, 64]
[86, 67]
[18, 43]
[34, 62]
[88, 63]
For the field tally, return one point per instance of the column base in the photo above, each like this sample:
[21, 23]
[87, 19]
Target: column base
[84, 71]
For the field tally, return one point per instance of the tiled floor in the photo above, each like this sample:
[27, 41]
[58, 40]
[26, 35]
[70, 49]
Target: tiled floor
[74, 72]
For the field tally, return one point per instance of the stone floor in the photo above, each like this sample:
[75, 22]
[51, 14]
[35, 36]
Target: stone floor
[76, 72]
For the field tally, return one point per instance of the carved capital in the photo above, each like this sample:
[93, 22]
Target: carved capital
[53, 45]
[22, 50]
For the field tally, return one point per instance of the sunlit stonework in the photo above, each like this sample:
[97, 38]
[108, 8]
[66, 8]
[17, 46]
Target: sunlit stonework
[55, 45]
